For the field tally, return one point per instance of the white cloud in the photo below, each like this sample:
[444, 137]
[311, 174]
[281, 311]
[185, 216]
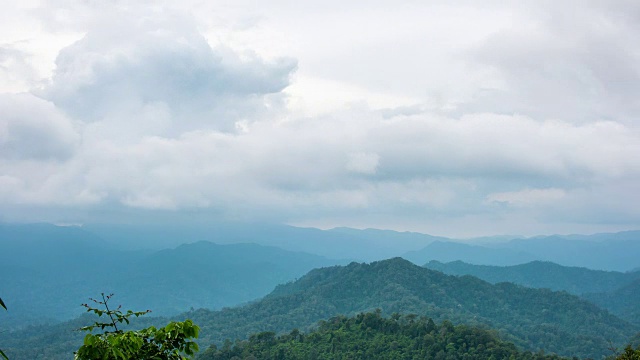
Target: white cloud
[151, 114]
[33, 129]
[528, 197]
[163, 62]
[364, 163]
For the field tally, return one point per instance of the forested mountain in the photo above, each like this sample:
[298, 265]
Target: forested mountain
[370, 336]
[542, 274]
[624, 302]
[615, 251]
[534, 319]
[49, 270]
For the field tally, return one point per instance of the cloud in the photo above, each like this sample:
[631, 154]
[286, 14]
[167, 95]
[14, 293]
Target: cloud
[162, 61]
[151, 115]
[364, 163]
[579, 67]
[33, 129]
[16, 72]
[528, 197]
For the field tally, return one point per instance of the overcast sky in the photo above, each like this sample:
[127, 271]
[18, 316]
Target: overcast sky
[445, 117]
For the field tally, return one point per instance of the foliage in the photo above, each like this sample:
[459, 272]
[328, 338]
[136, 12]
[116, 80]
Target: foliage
[2, 354]
[168, 342]
[624, 302]
[629, 354]
[533, 319]
[542, 274]
[370, 336]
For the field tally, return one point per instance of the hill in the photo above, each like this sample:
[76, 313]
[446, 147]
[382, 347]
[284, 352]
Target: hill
[542, 274]
[532, 318]
[370, 336]
[451, 251]
[609, 251]
[49, 270]
[624, 302]
[338, 243]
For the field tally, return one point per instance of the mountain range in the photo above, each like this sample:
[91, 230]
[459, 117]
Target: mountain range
[48, 271]
[534, 319]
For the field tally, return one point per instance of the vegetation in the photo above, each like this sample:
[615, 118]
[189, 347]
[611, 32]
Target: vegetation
[617, 292]
[370, 336]
[542, 274]
[53, 260]
[624, 302]
[2, 352]
[629, 354]
[166, 343]
[534, 319]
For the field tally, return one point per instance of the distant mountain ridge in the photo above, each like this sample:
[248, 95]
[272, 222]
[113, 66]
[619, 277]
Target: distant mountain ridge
[48, 271]
[542, 274]
[337, 243]
[609, 251]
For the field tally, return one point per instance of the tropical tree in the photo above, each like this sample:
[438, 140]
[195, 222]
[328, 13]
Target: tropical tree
[171, 342]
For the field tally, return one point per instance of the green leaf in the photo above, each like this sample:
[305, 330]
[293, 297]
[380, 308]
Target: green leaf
[3, 354]
[2, 304]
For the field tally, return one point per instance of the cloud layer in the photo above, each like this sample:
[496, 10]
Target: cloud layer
[151, 114]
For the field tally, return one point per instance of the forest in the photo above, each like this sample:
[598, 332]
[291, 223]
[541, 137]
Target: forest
[234, 291]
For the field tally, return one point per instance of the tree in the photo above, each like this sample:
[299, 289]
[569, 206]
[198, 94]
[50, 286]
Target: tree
[4, 307]
[166, 343]
[629, 354]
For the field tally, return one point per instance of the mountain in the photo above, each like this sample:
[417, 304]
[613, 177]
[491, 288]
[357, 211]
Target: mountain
[338, 243]
[542, 274]
[624, 302]
[609, 251]
[208, 275]
[370, 336]
[532, 318]
[450, 251]
[48, 271]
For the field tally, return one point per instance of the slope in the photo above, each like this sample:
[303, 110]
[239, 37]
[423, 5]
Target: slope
[542, 274]
[534, 319]
[49, 270]
[624, 302]
[370, 336]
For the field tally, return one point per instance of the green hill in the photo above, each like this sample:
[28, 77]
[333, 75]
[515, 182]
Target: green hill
[370, 336]
[542, 274]
[624, 302]
[534, 319]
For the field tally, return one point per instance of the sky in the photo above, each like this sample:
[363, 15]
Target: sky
[454, 118]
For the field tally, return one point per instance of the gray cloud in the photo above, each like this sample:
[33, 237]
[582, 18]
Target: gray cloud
[163, 121]
[33, 129]
[163, 61]
[574, 61]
